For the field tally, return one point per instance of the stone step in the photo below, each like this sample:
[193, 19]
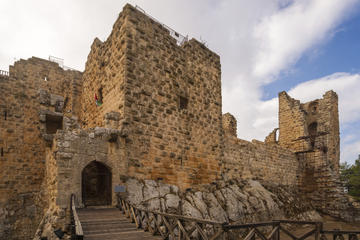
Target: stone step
[130, 235]
[104, 221]
[105, 227]
[109, 223]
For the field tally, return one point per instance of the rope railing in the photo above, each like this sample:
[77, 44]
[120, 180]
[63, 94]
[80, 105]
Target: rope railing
[172, 226]
[76, 228]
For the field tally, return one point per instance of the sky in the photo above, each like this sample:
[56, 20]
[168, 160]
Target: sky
[304, 47]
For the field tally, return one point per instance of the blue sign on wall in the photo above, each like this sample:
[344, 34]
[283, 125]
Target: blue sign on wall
[119, 188]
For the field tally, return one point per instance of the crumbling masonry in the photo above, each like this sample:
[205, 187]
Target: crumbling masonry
[160, 118]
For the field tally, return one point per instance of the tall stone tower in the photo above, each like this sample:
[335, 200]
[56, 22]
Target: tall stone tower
[167, 95]
[311, 130]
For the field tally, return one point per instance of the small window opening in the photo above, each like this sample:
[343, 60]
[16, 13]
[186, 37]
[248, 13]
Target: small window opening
[324, 149]
[313, 107]
[53, 123]
[183, 103]
[5, 115]
[2, 152]
[45, 79]
[312, 128]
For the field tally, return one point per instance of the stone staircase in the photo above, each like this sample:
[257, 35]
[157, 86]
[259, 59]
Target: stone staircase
[109, 223]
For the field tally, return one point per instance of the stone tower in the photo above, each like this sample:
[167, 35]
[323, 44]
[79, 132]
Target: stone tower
[311, 130]
[167, 95]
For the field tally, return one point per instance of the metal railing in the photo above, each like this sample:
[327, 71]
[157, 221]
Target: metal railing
[76, 229]
[60, 62]
[180, 39]
[172, 226]
[4, 73]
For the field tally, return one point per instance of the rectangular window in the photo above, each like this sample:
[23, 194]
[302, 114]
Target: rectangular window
[53, 123]
[183, 102]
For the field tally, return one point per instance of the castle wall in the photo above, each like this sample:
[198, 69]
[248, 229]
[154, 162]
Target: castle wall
[22, 161]
[174, 106]
[315, 141]
[312, 126]
[168, 95]
[104, 76]
[291, 124]
[73, 151]
[158, 117]
[257, 160]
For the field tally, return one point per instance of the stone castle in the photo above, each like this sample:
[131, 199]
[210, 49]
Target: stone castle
[158, 116]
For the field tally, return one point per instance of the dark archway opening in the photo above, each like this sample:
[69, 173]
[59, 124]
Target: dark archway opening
[96, 184]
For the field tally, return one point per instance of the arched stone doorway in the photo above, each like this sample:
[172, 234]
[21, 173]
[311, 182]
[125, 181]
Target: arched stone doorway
[96, 184]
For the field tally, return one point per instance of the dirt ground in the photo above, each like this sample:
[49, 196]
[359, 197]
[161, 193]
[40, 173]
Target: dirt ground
[330, 223]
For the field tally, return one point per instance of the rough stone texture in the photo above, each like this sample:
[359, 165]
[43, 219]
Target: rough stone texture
[169, 96]
[272, 137]
[229, 124]
[268, 162]
[23, 94]
[311, 131]
[159, 119]
[240, 201]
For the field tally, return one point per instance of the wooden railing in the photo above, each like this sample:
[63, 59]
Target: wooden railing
[338, 234]
[171, 226]
[76, 229]
[273, 230]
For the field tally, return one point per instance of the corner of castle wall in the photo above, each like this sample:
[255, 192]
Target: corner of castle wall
[229, 124]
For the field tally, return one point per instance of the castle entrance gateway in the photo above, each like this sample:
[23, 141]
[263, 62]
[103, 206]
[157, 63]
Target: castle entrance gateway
[96, 184]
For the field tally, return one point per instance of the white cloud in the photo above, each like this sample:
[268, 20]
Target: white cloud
[284, 36]
[346, 85]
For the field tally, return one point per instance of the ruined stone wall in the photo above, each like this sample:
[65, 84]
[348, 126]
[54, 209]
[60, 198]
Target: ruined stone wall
[22, 161]
[312, 126]
[257, 160]
[229, 124]
[291, 124]
[311, 130]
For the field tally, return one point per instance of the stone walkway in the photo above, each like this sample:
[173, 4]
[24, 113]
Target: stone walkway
[109, 223]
